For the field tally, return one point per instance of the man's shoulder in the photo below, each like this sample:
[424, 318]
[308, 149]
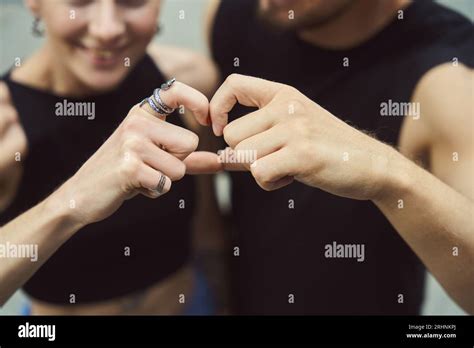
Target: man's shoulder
[436, 23]
[443, 90]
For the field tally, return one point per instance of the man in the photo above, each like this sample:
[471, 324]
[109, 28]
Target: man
[347, 236]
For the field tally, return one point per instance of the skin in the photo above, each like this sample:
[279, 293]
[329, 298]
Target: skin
[131, 158]
[440, 200]
[310, 145]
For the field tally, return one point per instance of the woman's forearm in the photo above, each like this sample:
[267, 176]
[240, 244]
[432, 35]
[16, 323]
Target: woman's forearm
[29, 240]
[130, 162]
[436, 221]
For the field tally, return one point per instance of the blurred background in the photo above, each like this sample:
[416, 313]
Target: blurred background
[16, 41]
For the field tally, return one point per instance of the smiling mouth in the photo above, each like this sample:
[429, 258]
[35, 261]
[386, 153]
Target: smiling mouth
[102, 56]
[103, 53]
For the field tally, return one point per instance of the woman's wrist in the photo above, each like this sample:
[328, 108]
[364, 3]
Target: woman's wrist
[62, 213]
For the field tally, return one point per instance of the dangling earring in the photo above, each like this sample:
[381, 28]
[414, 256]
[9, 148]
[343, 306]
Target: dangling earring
[158, 29]
[35, 30]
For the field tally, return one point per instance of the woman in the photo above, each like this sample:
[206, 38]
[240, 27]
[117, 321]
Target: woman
[95, 64]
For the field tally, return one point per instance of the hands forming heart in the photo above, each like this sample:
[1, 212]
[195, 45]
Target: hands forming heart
[290, 138]
[293, 138]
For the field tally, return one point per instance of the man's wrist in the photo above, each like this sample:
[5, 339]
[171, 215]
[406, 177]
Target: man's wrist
[397, 179]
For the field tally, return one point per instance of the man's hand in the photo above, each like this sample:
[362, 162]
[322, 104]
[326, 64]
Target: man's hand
[294, 138]
[13, 146]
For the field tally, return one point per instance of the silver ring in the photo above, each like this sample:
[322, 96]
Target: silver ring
[155, 101]
[155, 107]
[167, 85]
[166, 109]
[161, 184]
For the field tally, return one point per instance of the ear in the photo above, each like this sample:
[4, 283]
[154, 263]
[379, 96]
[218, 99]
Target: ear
[33, 6]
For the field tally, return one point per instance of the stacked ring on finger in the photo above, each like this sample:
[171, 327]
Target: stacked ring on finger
[155, 101]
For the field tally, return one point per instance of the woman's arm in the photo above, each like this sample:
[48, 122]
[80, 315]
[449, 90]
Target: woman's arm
[13, 148]
[130, 162]
[42, 229]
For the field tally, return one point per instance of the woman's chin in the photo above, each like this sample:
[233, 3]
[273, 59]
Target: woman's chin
[101, 83]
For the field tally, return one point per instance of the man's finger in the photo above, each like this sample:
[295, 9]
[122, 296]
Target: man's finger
[250, 125]
[260, 145]
[274, 170]
[203, 162]
[245, 90]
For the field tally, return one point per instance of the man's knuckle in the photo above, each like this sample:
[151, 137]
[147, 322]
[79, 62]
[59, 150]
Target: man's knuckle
[260, 174]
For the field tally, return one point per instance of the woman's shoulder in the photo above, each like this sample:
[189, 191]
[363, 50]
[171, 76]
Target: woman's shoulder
[189, 67]
[31, 71]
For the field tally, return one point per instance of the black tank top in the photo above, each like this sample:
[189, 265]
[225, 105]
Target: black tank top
[282, 249]
[143, 242]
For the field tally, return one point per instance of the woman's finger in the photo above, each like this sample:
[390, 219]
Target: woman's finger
[153, 180]
[176, 140]
[193, 100]
[176, 95]
[162, 161]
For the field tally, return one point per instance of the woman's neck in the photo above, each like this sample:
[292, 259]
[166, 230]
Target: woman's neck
[45, 71]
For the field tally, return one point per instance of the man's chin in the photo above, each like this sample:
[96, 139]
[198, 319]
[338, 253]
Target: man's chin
[279, 23]
[283, 16]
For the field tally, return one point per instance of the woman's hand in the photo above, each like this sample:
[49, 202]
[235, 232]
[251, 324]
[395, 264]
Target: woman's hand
[144, 152]
[13, 147]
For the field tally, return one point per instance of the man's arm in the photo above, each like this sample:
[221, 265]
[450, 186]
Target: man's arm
[437, 215]
[296, 139]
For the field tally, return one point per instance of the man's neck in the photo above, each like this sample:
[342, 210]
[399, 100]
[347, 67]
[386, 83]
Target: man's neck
[363, 20]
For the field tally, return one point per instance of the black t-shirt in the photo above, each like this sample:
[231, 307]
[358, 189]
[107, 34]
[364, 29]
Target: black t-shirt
[142, 243]
[283, 235]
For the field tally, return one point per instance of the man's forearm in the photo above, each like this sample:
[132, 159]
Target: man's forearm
[44, 227]
[436, 221]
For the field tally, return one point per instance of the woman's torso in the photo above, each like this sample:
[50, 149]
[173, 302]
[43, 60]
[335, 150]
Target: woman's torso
[144, 244]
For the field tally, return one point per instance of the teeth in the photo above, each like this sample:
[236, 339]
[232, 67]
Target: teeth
[104, 53]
